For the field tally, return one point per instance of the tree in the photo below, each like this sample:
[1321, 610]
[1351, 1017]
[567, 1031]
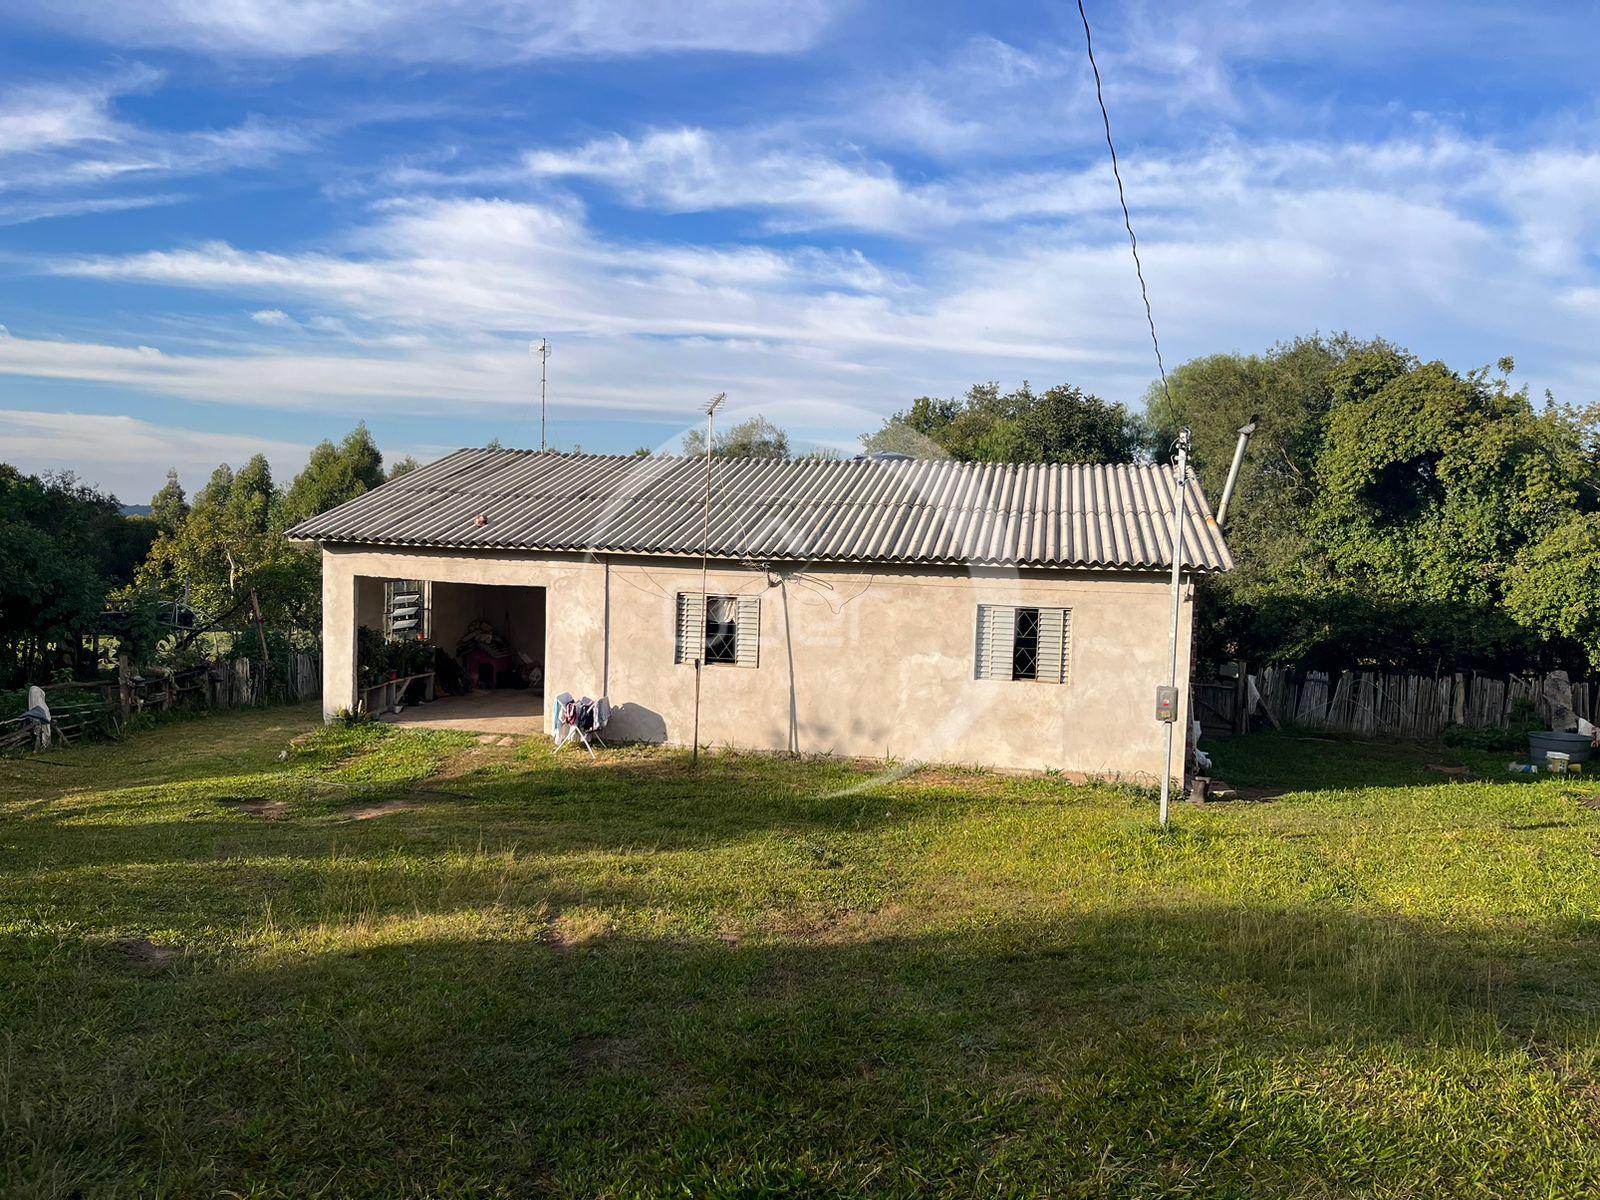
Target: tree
[169, 507]
[62, 546]
[1382, 507]
[217, 489]
[334, 474]
[1289, 391]
[403, 465]
[1432, 483]
[1554, 587]
[755, 437]
[232, 543]
[1063, 424]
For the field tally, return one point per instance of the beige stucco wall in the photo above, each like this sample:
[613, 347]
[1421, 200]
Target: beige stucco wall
[852, 661]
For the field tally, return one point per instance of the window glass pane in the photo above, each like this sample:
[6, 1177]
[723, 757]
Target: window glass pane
[1025, 645]
[722, 629]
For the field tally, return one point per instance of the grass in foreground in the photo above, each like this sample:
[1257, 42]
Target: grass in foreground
[407, 964]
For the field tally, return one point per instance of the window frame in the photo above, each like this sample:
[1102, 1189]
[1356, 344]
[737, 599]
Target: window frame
[1048, 635]
[392, 590]
[741, 646]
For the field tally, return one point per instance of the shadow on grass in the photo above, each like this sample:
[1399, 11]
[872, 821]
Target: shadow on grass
[551, 804]
[1308, 762]
[1208, 1050]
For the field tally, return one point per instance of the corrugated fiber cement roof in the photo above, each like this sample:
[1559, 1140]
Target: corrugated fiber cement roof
[785, 510]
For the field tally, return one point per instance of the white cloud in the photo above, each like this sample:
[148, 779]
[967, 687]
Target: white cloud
[123, 454]
[64, 151]
[429, 307]
[272, 378]
[445, 30]
[691, 170]
[38, 117]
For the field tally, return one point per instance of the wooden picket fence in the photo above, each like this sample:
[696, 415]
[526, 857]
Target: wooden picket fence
[1380, 704]
[102, 706]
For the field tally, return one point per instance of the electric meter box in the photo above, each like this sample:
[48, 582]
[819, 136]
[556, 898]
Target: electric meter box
[1166, 704]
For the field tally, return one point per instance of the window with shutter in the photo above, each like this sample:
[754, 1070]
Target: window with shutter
[405, 609]
[748, 640]
[723, 630]
[996, 626]
[1022, 643]
[691, 626]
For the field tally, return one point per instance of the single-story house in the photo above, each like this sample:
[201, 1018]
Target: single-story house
[1009, 615]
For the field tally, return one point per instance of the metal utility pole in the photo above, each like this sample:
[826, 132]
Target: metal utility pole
[705, 553]
[542, 349]
[1167, 698]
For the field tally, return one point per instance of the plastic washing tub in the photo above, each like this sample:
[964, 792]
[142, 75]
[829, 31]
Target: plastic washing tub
[1575, 745]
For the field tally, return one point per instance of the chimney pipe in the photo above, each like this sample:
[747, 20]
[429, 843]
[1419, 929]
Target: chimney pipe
[1245, 430]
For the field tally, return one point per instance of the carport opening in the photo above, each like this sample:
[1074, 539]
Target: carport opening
[478, 649]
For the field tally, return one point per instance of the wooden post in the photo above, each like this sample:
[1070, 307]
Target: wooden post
[125, 685]
[1241, 699]
[261, 633]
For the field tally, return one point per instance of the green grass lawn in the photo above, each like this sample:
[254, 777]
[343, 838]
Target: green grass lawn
[525, 975]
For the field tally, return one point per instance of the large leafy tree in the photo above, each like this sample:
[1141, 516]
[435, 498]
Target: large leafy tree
[754, 437]
[1062, 424]
[169, 507]
[333, 474]
[1383, 506]
[1289, 392]
[1432, 483]
[62, 546]
[403, 465]
[232, 542]
[1554, 587]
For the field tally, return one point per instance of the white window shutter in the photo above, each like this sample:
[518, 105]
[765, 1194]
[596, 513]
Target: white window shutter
[749, 631]
[1052, 666]
[997, 627]
[691, 641]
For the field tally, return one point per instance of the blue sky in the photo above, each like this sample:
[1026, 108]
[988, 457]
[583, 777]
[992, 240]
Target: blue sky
[230, 226]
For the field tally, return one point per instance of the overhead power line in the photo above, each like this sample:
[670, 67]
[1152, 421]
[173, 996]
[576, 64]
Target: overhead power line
[1127, 221]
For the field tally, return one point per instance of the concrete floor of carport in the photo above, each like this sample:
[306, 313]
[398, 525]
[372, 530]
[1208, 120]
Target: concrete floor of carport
[502, 710]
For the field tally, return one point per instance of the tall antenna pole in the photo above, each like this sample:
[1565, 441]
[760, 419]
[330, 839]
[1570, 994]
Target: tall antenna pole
[705, 553]
[1180, 488]
[542, 349]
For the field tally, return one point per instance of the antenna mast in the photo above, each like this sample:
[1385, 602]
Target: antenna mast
[542, 349]
[705, 554]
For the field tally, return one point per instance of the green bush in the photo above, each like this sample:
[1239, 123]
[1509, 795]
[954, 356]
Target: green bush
[1524, 718]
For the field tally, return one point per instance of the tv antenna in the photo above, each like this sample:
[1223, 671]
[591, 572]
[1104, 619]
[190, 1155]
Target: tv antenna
[542, 349]
[710, 410]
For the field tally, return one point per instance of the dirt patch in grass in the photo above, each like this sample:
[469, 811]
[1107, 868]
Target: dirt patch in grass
[499, 739]
[575, 930]
[600, 1055]
[141, 952]
[475, 759]
[256, 806]
[371, 812]
[824, 928]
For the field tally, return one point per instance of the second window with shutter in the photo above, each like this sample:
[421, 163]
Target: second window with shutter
[1023, 642]
[718, 630]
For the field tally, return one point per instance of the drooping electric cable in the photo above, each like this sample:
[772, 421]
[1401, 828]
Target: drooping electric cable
[1127, 221]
